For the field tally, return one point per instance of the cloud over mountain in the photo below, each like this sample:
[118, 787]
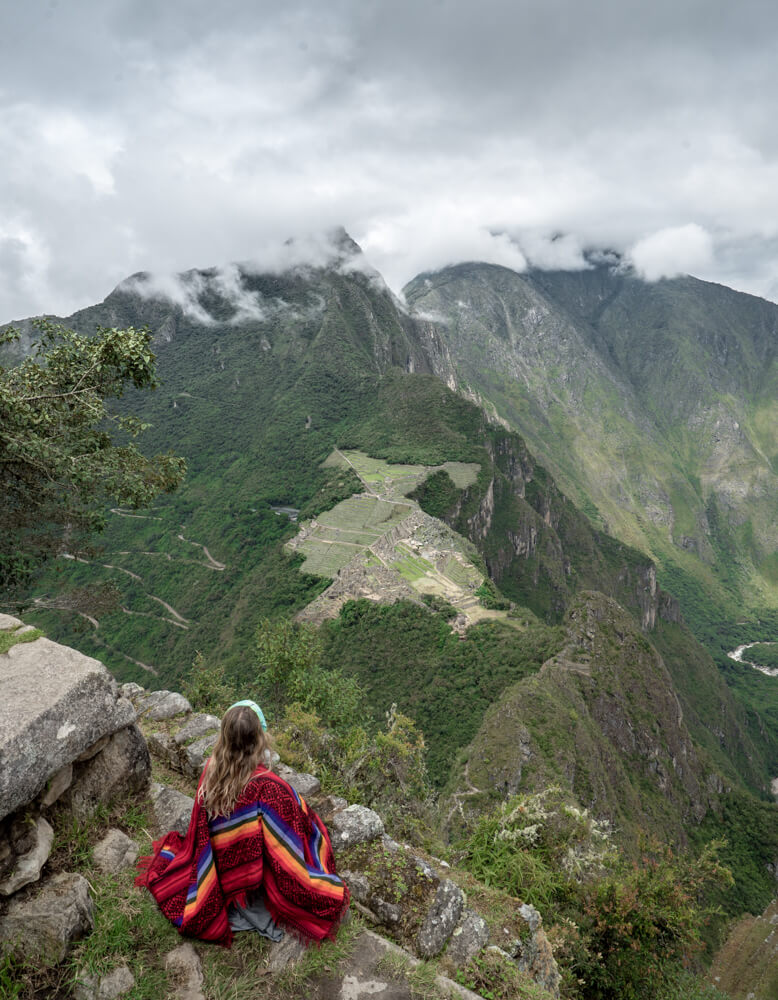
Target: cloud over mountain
[165, 137]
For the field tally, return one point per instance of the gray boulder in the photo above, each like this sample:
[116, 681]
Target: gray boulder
[470, 935]
[28, 867]
[132, 690]
[43, 927]
[172, 809]
[109, 987]
[183, 967]
[304, 784]
[123, 767]
[115, 852]
[192, 756]
[355, 825]
[55, 703]
[198, 726]
[160, 705]
[441, 919]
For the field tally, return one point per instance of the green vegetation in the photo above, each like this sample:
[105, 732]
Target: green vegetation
[437, 495]
[623, 930]
[748, 832]
[63, 453]
[404, 654]
[12, 637]
[764, 654]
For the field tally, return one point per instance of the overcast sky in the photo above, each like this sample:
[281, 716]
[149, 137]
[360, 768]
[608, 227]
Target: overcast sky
[148, 135]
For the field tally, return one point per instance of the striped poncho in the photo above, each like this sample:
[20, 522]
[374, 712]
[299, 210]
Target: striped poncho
[273, 840]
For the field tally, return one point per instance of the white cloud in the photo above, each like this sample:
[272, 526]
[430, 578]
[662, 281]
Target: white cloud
[676, 250]
[157, 139]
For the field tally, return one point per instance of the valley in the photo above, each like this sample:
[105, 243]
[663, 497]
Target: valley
[370, 478]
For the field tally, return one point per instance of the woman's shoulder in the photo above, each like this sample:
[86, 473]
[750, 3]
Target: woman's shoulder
[265, 782]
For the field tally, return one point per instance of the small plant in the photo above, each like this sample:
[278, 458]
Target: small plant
[495, 977]
[207, 687]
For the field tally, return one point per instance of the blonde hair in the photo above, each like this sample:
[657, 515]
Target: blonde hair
[239, 749]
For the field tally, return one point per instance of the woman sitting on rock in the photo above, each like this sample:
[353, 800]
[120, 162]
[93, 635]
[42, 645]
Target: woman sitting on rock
[255, 855]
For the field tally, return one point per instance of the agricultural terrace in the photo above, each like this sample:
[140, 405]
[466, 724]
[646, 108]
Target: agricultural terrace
[431, 560]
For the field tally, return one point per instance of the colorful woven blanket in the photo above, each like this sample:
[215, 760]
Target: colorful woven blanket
[273, 840]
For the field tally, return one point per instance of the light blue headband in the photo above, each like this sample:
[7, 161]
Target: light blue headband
[248, 703]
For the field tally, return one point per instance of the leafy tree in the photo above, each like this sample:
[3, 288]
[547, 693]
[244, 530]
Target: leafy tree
[289, 671]
[63, 453]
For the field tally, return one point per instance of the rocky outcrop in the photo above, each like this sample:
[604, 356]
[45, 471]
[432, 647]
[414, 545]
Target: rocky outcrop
[412, 899]
[55, 704]
[44, 926]
[68, 746]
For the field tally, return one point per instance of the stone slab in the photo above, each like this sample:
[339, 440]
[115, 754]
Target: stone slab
[55, 703]
[172, 809]
[28, 867]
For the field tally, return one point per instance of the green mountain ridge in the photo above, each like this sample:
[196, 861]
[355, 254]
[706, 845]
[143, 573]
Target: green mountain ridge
[653, 405]
[263, 376]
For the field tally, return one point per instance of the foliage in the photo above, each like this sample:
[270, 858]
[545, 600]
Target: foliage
[643, 921]
[489, 596]
[494, 976]
[63, 453]
[441, 605]
[748, 830]
[765, 654]
[207, 687]
[437, 494]
[535, 846]
[12, 638]
[403, 653]
[288, 664]
[622, 928]
[385, 770]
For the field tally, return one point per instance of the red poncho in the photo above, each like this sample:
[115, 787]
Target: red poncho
[272, 840]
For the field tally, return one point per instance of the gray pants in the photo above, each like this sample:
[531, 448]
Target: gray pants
[254, 917]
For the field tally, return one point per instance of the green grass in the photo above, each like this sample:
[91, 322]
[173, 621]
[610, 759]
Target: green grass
[12, 638]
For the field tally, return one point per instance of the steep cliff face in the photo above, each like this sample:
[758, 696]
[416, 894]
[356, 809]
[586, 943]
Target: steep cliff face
[653, 404]
[538, 547]
[603, 719]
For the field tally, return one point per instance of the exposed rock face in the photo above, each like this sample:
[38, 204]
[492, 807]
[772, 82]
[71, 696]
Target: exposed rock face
[534, 954]
[470, 935]
[122, 767]
[44, 926]
[441, 919]
[28, 866]
[55, 703]
[355, 825]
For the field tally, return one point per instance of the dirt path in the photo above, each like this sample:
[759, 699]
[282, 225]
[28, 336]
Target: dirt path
[170, 609]
[156, 618]
[212, 563]
[140, 517]
[121, 569]
[458, 796]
